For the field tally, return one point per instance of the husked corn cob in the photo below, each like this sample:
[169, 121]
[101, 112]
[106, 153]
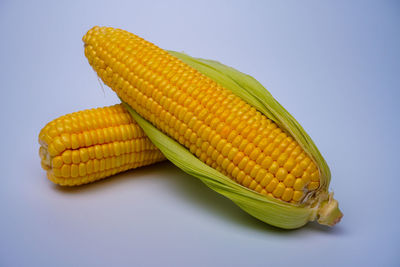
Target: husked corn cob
[89, 145]
[217, 126]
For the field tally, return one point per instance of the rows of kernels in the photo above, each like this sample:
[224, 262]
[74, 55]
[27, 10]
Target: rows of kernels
[108, 141]
[95, 176]
[218, 127]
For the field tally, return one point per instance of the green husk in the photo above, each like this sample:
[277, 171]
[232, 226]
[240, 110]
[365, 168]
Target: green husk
[265, 208]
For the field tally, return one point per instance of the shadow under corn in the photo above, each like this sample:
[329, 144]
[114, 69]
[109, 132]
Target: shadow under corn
[191, 190]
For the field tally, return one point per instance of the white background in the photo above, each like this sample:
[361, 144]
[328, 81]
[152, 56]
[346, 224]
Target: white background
[333, 64]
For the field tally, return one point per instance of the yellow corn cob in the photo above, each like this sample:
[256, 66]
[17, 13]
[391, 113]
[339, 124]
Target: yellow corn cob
[89, 145]
[218, 127]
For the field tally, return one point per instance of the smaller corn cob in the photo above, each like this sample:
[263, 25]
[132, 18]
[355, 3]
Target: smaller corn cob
[90, 145]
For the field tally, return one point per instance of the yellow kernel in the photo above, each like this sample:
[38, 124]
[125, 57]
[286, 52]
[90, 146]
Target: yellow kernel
[281, 174]
[247, 181]
[238, 158]
[66, 170]
[271, 186]
[297, 195]
[299, 184]
[260, 175]
[278, 191]
[304, 163]
[57, 162]
[315, 176]
[274, 167]
[242, 164]
[75, 156]
[74, 141]
[290, 164]
[266, 163]
[98, 152]
[258, 188]
[74, 170]
[232, 153]
[255, 154]
[289, 180]
[253, 184]
[282, 159]
[266, 180]
[82, 169]
[297, 171]
[287, 194]
[313, 186]
[83, 153]
[240, 177]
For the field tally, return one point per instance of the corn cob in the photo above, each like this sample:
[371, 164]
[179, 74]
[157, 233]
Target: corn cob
[216, 125]
[89, 145]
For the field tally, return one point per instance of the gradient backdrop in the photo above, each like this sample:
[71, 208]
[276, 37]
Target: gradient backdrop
[333, 64]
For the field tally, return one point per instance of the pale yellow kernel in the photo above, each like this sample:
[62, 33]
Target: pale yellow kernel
[287, 194]
[289, 180]
[57, 162]
[313, 186]
[52, 150]
[278, 191]
[299, 184]
[57, 172]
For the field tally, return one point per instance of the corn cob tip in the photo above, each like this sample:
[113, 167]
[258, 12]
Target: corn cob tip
[329, 213]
